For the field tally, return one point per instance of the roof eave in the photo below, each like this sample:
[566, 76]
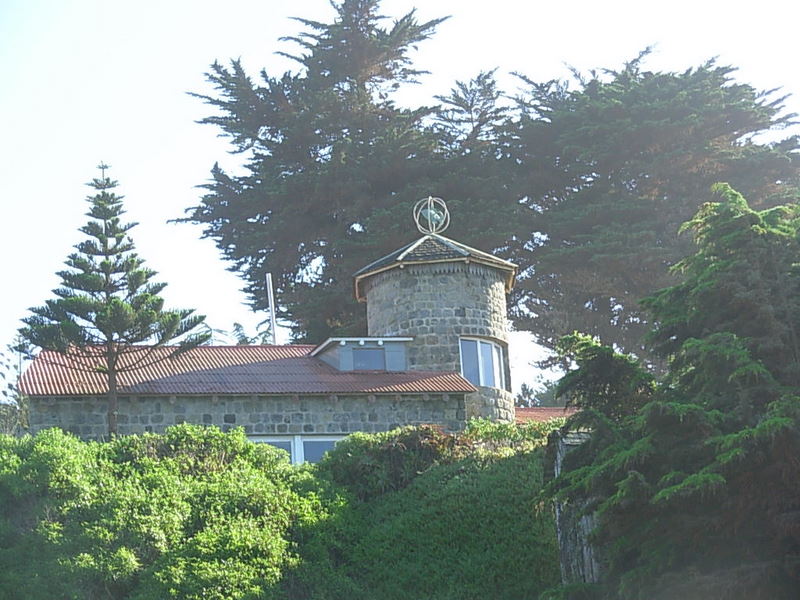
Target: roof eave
[510, 268]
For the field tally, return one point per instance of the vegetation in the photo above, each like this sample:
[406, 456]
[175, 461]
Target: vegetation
[197, 513]
[695, 478]
[610, 170]
[583, 183]
[107, 303]
[13, 403]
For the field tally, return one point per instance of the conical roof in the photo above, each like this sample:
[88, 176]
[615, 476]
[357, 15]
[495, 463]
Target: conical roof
[433, 248]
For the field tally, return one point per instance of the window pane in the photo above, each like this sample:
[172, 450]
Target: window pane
[469, 361]
[498, 366]
[283, 445]
[314, 450]
[487, 360]
[368, 359]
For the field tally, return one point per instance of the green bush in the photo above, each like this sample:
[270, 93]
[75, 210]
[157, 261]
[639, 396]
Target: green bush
[465, 524]
[197, 513]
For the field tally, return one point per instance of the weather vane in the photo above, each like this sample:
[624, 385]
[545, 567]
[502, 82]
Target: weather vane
[431, 215]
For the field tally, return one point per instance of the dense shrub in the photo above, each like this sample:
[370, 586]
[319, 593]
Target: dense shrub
[194, 513]
[197, 513]
[465, 524]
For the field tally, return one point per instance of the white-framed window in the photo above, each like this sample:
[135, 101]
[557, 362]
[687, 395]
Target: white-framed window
[482, 362]
[301, 448]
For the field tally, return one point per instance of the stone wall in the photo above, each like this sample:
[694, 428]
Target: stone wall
[258, 415]
[491, 403]
[437, 304]
[578, 558]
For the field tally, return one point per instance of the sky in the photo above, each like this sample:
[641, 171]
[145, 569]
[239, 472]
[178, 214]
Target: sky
[87, 81]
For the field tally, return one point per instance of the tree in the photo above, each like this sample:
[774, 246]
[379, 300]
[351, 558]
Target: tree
[584, 188]
[542, 393]
[13, 403]
[611, 169]
[698, 491]
[107, 305]
[335, 166]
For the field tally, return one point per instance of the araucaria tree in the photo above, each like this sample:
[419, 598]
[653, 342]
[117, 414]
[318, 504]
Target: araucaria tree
[108, 312]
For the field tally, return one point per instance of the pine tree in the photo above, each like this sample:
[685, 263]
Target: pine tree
[108, 312]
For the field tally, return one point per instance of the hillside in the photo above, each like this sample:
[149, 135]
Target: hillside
[196, 513]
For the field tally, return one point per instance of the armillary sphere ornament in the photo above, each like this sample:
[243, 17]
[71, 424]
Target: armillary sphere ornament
[431, 215]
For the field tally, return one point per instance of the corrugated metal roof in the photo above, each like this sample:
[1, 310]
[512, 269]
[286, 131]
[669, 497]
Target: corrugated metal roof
[542, 413]
[224, 370]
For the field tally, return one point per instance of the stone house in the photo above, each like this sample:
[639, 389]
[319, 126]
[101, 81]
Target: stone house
[436, 352]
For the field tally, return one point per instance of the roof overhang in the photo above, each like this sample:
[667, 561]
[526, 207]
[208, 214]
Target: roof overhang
[510, 277]
[361, 340]
[454, 252]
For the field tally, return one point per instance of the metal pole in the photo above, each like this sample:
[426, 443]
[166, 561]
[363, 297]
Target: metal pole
[271, 301]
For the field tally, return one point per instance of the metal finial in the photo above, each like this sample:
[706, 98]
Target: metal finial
[431, 215]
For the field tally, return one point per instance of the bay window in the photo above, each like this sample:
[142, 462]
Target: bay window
[482, 362]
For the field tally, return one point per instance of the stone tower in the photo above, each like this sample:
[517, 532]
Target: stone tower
[452, 300]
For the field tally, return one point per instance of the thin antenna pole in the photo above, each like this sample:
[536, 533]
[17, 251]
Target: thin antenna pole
[271, 301]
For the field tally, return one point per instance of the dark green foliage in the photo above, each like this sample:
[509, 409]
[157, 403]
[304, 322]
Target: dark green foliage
[466, 526]
[698, 491]
[605, 381]
[370, 465]
[336, 166]
[584, 188]
[197, 513]
[108, 303]
[612, 168]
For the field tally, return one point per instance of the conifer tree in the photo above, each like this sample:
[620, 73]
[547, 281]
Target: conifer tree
[107, 313]
[336, 166]
[610, 166]
[696, 481]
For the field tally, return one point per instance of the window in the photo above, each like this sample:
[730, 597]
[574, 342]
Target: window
[482, 363]
[368, 359]
[301, 448]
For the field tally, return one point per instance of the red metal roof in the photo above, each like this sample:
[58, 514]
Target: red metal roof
[225, 370]
[542, 413]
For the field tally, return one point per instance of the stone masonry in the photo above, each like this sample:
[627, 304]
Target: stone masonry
[258, 415]
[437, 304]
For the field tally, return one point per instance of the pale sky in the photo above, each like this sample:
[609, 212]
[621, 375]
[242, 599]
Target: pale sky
[91, 80]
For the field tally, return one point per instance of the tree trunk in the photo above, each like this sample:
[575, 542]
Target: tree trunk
[112, 392]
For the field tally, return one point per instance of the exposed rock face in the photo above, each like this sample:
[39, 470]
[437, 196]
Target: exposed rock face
[579, 562]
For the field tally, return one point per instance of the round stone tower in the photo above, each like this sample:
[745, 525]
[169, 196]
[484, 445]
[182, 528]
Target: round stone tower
[452, 300]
